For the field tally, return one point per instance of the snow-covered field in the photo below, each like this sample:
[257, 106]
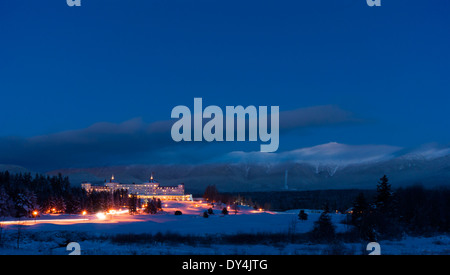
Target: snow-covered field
[49, 234]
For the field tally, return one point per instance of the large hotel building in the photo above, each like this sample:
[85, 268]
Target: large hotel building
[147, 190]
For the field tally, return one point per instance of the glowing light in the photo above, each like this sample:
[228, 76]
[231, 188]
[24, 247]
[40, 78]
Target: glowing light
[35, 213]
[84, 213]
[101, 216]
[122, 211]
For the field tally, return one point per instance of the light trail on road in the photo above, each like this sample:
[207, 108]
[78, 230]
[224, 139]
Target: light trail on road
[31, 222]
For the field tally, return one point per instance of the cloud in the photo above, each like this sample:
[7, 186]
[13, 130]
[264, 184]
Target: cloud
[100, 144]
[135, 141]
[427, 152]
[329, 153]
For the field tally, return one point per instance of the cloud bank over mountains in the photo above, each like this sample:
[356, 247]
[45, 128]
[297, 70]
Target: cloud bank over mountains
[137, 142]
[329, 153]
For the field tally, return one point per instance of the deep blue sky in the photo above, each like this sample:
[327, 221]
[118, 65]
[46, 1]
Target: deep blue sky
[67, 68]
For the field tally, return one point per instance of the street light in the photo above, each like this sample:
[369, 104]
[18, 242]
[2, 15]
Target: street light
[35, 213]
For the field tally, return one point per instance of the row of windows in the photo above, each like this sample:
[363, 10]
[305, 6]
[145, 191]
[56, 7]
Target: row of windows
[143, 188]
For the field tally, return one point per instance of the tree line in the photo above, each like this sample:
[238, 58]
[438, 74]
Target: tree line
[21, 194]
[391, 213]
[339, 199]
[384, 212]
[413, 210]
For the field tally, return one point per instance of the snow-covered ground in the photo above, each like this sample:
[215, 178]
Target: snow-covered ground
[49, 234]
[247, 220]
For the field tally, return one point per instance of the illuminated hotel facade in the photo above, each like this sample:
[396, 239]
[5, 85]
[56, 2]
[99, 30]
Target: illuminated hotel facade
[147, 190]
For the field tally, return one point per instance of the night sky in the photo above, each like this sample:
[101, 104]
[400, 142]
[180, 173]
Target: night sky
[95, 85]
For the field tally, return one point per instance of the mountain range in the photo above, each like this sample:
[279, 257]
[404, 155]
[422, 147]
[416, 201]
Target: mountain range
[232, 177]
[327, 166]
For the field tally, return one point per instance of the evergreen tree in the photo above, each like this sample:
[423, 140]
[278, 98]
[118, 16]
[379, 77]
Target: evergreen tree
[151, 207]
[60, 205]
[326, 207]
[384, 195]
[6, 203]
[73, 204]
[302, 215]
[132, 204]
[159, 204]
[23, 205]
[381, 218]
[324, 230]
[120, 198]
[210, 211]
[211, 193]
[360, 208]
[225, 211]
[365, 219]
